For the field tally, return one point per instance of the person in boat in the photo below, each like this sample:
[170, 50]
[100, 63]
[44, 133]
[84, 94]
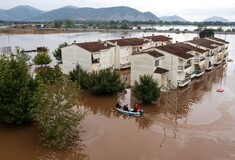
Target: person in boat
[136, 108]
[125, 107]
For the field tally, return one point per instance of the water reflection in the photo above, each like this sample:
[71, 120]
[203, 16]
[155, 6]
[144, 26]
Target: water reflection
[23, 143]
[174, 105]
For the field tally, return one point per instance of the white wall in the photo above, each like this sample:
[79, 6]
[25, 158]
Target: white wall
[141, 64]
[72, 55]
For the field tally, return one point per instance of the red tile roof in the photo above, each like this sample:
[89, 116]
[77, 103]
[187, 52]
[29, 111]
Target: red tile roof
[205, 43]
[153, 53]
[159, 38]
[160, 70]
[92, 46]
[128, 41]
[218, 39]
[176, 50]
[199, 50]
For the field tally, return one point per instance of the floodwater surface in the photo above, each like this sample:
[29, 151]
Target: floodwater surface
[194, 122]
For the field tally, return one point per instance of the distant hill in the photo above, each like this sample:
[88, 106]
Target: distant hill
[216, 19]
[172, 18]
[104, 14]
[19, 13]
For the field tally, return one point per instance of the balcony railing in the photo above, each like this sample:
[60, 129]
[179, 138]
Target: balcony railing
[126, 65]
[187, 66]
[202, 59]
[196, 60]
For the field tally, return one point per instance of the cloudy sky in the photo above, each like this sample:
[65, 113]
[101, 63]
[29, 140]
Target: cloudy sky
[192, 10]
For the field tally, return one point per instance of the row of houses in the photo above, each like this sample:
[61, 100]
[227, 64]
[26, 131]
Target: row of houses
[93, 56]
[171, 64]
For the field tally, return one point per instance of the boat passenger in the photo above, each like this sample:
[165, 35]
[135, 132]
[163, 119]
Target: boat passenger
[125, 107]
[136, 109]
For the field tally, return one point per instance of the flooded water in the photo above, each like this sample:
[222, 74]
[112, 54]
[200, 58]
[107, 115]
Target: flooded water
[194, 122]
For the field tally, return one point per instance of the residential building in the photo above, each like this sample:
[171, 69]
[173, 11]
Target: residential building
[148, 63]
[213, 56]
[125, 47]
[158, 40]
[92, 56]
[178, 60]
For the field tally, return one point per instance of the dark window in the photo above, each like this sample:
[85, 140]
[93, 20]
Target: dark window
[156, 63]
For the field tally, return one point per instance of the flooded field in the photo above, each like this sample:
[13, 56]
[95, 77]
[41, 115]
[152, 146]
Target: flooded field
[194, 122]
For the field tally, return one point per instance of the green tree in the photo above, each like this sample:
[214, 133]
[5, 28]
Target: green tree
[69, 23]
[57, 114]
[48, 75]
[58, 24]
[17, 90]
[146, 89]
[206, 33]
[103, 82]
[57, 52]
[42, 58]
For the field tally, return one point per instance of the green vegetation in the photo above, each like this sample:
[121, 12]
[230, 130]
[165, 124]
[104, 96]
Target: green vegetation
[48, 75]
[146, 89]
[206, 33]
[42, 58]
[49, 100]
[57, 52]
[17, 90]
[56, 114]
[103, 82]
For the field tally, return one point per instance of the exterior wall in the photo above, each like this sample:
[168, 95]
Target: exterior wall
[72, 55]
[140, 65]
[105, 59]
[124, 55]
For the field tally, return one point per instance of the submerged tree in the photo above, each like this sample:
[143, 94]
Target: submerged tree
[57, 114]
[146, 89]
[103, 82]
[57, 52]
[42, 58]
[48, 75]
[17, 89]
[206, 33]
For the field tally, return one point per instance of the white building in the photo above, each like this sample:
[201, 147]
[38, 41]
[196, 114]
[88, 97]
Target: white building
[178, 60]
[158, 40]
[213, 56]
[148, 63]
[91, 56]
[125, 47]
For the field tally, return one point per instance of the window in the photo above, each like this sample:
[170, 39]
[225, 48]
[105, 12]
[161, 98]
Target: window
[156, 63]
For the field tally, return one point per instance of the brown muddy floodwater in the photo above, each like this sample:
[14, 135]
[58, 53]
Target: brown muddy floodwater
[195, 122]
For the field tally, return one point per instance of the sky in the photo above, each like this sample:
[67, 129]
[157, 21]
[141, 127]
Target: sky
[191, 10]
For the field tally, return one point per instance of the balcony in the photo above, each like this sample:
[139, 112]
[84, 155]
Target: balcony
[184, 82]
[218, 61]
[182, 68]
[202, 59]
[126, 65]
[197, 73]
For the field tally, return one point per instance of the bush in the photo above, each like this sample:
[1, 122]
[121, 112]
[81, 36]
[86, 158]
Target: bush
[42, 58]
[103, 82]
[146, 89]
[56, 114]
[17, 90]
[48, 75]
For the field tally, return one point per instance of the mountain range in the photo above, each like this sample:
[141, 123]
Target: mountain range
[216, 19]
[172, 18]
[28, 13]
